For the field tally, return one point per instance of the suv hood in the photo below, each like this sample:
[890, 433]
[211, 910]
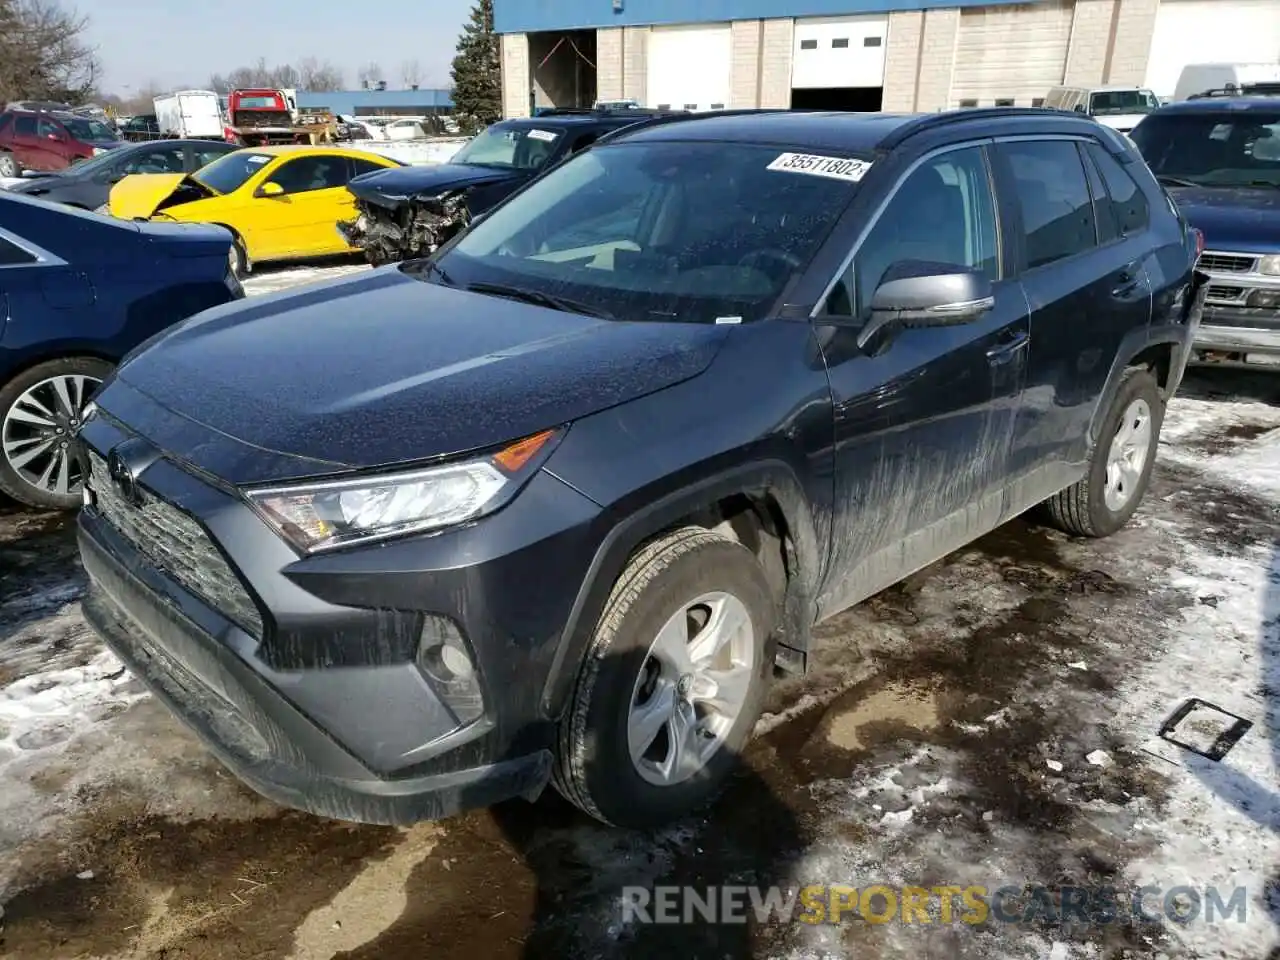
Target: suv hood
[1233, 218]
[381, 370]
[391, 187]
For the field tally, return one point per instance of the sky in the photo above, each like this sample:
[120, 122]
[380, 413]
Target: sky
[178, 44]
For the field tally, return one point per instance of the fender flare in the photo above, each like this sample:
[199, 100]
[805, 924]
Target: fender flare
[1176, 337]
[772, 477]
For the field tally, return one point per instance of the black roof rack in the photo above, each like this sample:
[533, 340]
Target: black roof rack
[675, 115]
[930, 121]
[1241, 90]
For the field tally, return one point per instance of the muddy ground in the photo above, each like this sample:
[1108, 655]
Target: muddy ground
[942, 738]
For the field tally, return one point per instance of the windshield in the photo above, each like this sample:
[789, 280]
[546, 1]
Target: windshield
[1212, 149]
[521, 148]
[1112, 103]
[88, 129]
[229, 173]
[694, 232]
[265, 102]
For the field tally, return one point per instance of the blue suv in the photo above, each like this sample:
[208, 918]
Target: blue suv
[1218, 156]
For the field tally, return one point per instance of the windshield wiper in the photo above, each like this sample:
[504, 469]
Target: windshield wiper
[1176, 181]
[538, 298]
[429, 266]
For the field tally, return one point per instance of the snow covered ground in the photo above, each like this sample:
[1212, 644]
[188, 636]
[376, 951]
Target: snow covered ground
[993, 721]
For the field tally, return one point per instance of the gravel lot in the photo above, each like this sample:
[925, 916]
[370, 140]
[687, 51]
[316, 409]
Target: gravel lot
[991, 721]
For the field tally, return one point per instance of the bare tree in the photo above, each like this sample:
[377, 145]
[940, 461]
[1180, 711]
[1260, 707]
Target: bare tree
[43, 52]
[411, 74]
[317, 77]
[370, 75]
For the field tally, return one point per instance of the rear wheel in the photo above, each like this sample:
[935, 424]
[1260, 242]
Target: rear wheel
[1120, 469]
[237, 259]
[40, 409]
[673, 683]
[10, 168]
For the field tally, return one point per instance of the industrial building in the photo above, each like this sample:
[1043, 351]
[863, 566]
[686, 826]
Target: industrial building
[897, 55]
[380, 102]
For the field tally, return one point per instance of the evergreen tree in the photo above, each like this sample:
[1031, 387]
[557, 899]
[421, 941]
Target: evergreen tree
[477, 74]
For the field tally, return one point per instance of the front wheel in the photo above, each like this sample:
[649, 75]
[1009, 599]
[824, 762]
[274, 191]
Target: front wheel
[1120, 469]
[672, 684]
[40, 409]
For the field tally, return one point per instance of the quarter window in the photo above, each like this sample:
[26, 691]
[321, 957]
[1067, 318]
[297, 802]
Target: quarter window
[1129, 207]
[1057, 209]
[943, 213]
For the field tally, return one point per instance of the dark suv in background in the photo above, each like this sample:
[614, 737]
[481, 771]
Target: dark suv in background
[1218, 155]
[48, 140]
[595, 467]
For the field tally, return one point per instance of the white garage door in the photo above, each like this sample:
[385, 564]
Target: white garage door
[839, 52]
[1210, 31]
[689, 67]
[1013, 52]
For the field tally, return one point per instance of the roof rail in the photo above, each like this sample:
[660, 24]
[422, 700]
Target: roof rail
[930, 121]
[1264, 89]
[654, 121]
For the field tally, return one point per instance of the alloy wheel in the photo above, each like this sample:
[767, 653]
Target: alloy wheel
[1127, 457]
[37, 431]
[692, 686]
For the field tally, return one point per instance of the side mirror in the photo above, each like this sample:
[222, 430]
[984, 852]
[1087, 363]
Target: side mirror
[269, 190]
[52, 136]
[927, 295]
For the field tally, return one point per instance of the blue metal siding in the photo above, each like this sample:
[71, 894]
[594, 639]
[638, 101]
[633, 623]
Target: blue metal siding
[529, 16]
[346, 101]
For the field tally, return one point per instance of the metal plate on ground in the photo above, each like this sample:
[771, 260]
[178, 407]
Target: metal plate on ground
[1204, 729]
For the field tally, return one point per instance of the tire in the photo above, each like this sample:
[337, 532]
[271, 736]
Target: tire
[19, 438]
[1089, 508]
[237, 259]
[10, 168]
[594, 769]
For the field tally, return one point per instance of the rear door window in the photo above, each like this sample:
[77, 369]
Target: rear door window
[1053, 196]
[25, 125]
[160, 160]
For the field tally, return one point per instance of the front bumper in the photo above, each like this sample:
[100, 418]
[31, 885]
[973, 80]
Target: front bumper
[302, 674]
[1241, 320]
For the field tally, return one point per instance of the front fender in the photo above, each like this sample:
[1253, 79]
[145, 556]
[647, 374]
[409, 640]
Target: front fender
[630, 528]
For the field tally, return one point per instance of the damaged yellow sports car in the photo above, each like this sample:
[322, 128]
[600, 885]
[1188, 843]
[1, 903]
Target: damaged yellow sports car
[280, 203]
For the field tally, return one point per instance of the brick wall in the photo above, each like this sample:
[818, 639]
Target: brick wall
[1090, 40]
[902, 60]
[937, 59]
[744, 72]
[609, 63]
[635, 63]
[1135, 23]
[776, 42]
[515, 75]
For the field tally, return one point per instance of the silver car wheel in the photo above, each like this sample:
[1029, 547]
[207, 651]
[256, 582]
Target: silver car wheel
[1127, 457]
[691, 688]
[37, 430]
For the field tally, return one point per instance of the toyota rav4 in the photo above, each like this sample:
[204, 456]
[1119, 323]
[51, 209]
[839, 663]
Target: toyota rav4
[552, 505]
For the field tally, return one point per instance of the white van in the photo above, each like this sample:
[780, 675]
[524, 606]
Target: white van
[1203, 77]
[1117, 107]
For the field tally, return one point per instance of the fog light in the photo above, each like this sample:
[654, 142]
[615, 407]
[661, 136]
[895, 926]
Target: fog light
[1266, 299]
[447, 663]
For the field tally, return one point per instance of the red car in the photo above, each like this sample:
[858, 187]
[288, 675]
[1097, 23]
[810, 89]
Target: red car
[46, 140]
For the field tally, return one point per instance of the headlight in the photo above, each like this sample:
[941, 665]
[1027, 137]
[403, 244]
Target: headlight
[1270, 265]
[322, 516]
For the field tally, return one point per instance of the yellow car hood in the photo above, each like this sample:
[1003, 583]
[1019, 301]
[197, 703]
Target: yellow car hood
[137, 196]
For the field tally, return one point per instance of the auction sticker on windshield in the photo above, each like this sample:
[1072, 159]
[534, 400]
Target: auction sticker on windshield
[545, 135]
[839, 168]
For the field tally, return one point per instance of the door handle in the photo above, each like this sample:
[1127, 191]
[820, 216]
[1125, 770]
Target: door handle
[1127, 279]
[1008, 348]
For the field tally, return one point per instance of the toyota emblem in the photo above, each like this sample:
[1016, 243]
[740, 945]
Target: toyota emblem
[123, 479]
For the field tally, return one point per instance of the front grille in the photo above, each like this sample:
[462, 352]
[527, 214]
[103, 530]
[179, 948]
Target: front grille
[175, 545]
[1222, 293]
[1227, 262]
